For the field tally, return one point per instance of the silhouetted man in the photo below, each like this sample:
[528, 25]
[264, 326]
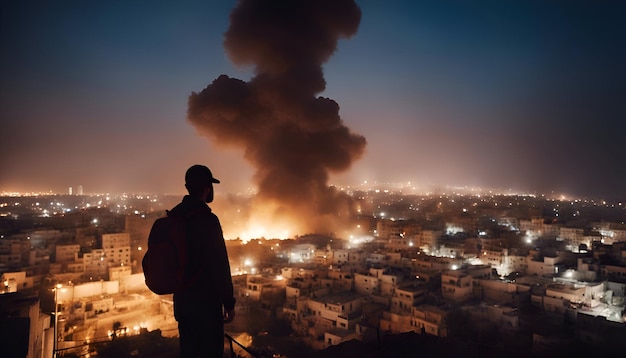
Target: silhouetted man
[207, 301]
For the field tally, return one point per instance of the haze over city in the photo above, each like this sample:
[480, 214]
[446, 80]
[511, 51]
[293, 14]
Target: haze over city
[514, 95]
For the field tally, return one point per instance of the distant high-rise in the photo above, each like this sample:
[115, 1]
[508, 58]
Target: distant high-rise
[69, 191]
[80, 190]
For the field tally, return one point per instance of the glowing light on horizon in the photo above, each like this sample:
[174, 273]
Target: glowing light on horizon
[263, 221]
[258, 232]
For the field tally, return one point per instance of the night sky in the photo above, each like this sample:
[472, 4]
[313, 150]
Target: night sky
[521, 95]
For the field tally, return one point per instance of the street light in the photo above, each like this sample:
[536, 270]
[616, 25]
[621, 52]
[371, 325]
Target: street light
[56, 318]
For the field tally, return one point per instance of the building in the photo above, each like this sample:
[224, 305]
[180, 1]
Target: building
[116, 249]
[546, 266]
[340, 310]
[66, 253]
[95, 265]
[456, 286]
[407, 297]
[367, 284]
[424, 319]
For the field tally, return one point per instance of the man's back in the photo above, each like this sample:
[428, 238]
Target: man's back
[208, 302]
[208, 268]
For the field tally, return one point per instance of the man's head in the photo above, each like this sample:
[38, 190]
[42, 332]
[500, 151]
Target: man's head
[199, 182]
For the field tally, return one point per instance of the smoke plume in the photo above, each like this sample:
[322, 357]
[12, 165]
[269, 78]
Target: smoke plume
[293, 138]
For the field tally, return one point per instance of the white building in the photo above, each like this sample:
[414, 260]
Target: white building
[116, 248]
[545, 267]
[255, 285]
[574, 237]
[66, 253]
[341, 280]
[456, 285]
[335, 311]
[340, 256]
[95, 265]
[428, 240]
[407, 297]
[497, 258]
[366, 284]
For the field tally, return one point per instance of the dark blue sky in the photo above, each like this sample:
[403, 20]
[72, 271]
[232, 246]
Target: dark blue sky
[527, 95]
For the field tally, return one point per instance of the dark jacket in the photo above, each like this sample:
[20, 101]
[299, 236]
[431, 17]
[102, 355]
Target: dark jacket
[207, 268]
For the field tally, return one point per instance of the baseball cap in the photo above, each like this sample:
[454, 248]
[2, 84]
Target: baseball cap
[199, 175]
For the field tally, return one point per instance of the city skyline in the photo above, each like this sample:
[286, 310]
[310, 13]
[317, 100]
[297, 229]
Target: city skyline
[514, 95]
[509, 271]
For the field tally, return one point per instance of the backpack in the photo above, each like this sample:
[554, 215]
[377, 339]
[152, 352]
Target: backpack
[164, 261]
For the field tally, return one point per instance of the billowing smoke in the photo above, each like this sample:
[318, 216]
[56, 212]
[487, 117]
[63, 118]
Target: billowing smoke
[293, 138]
